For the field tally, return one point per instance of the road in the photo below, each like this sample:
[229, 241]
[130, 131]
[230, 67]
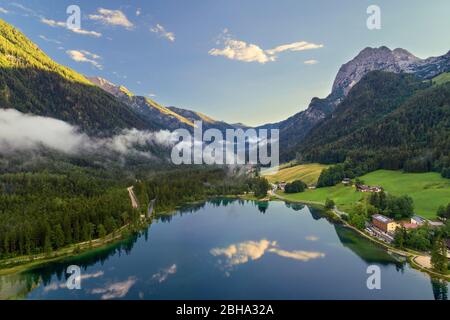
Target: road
[134, 201]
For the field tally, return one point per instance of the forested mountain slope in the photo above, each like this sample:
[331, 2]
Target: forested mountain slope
[294, 129]
[31, 82]
[395, 120]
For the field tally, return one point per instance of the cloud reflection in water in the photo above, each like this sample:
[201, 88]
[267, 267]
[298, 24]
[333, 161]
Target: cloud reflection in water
[243, 252]
[115, 290]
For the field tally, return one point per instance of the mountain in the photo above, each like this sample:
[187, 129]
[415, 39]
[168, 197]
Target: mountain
[388, 120]
[145, 107]
[207, 121]
[32, 82]
[170, 118]
[294, 129]
[383, 59]
[370, 59]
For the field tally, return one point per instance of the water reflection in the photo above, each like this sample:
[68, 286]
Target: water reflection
[440, 289]
[243, 252]
[115, 290]
[191, 208]
[162, 275]
[203, 241]
[19, 285]
[365, 249]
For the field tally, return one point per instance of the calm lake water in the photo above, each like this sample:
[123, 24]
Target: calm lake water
[230, 249]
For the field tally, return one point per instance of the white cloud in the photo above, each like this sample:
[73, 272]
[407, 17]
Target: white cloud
[138, 12]
[249, 52]
[242, 51]
[62, 24]
[86, 32]
[162, 32]
[311, 62]
[296, 46]
[24, 132]
[85, 56]
[112, 17]
[3, 10]
[115, 290]
[19, 132]
[49, 40]
[165, 273]
[53, 23]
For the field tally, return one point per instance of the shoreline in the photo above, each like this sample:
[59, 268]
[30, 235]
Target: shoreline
[29, 262]
[24, 263]
[411, 255]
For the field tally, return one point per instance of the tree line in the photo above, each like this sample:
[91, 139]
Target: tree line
[42, 212]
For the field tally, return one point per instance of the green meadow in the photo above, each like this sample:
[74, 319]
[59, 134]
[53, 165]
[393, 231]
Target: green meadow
[442, 78]
[428, 190]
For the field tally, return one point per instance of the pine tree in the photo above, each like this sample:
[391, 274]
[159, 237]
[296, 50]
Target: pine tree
[101, 231]
[439, 256]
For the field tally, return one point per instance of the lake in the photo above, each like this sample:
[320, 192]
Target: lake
[232, 249]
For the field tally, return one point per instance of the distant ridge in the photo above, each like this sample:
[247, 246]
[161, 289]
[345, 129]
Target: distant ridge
[166, 117]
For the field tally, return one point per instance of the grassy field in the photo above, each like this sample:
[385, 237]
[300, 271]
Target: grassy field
[308, 173]
[343, 196]
[442, 78]
[428, 190]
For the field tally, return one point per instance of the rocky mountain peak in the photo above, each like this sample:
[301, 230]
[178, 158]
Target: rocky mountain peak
[115, 90]
[370, 59]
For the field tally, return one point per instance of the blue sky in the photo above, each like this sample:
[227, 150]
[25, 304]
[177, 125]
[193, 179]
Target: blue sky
[235, 60]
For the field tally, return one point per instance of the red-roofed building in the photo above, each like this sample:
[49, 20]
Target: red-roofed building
[409, 226]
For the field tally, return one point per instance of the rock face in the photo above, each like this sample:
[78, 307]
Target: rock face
[370, 59]
[431, 67]
[117, 91]
[295, 128]
[384, 59]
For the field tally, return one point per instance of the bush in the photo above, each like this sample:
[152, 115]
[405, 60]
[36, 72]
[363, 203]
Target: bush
[392, 206]
[329, 204]
[358, 216]
[261, 187]
[444, 212]
[295, 187]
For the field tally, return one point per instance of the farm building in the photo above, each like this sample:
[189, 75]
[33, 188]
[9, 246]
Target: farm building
[364, 188]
